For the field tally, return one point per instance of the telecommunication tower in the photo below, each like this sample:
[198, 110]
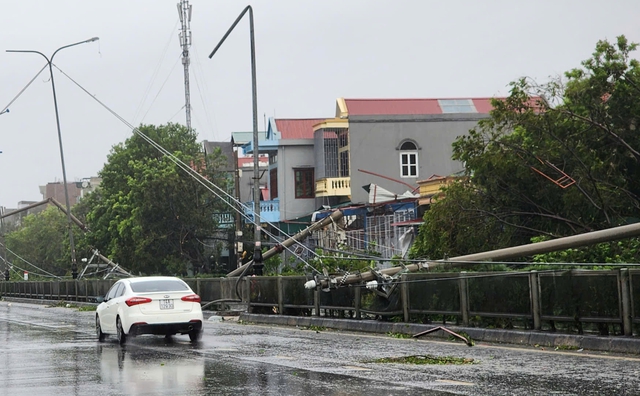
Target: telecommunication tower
[184, 11]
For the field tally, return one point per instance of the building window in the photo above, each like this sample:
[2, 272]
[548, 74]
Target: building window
[304, 182]
[344, 163]
[408, 159]
[343, 138]
[273, 183]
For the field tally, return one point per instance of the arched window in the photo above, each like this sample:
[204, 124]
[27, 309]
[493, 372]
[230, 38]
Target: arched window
[408, 159]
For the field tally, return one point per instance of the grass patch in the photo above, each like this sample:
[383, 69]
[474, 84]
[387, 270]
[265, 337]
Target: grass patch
[566, 348]
[87, 308]
[398, 335]
[317, 329]
[426, 359]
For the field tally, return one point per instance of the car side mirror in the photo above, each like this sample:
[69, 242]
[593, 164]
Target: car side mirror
[100, 299]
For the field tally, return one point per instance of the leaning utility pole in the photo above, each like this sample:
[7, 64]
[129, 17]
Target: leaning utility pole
[184, 11]
[257, 249]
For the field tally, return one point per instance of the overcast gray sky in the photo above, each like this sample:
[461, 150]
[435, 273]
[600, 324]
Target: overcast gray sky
[308, 54]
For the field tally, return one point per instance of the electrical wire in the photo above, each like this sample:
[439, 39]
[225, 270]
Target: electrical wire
[468, 276]
[177, 112]
[159, 91]
[454, 261]
[155, 73]
[200, 92]
[194, 174]
[23, 89]
[367, 242]
[204, 82]
[49, 274]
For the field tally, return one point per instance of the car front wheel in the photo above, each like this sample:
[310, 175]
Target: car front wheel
[122, 337]
[99, 333]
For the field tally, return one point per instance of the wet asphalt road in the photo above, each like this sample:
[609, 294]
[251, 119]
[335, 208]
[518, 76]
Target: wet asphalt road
[53, 351]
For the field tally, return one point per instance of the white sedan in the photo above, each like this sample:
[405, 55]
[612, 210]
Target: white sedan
[160, 305]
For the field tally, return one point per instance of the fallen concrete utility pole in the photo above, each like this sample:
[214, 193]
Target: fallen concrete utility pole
[46, 201]
[114, 267]
[335, 216]
[589, 238]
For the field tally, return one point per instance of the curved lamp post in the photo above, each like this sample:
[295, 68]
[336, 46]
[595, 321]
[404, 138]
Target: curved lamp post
[74, 265]
[257, 252]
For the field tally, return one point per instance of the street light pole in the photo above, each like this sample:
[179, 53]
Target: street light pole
[257, 252]
[74, 265]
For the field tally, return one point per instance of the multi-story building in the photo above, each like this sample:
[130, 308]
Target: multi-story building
[290, 177]
[392, 143]
[370, 145]
[76, 190]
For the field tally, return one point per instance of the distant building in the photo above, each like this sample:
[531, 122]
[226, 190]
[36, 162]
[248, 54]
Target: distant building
[55, 190]
[16, 219]
[239, 139]
[77, 190]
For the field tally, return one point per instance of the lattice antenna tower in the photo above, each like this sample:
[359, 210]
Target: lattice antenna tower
[184, 11]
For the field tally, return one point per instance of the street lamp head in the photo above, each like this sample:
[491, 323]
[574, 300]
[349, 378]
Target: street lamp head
[92, 39]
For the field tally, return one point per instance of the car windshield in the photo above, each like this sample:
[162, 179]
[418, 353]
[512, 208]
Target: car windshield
[164, 285]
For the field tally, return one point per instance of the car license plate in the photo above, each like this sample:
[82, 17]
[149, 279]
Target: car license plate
[166, 304]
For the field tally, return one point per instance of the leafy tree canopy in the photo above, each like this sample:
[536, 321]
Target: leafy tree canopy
[41, 244]
[552, 160]
[149, 215]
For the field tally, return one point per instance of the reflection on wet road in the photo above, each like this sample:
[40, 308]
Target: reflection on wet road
[53, 351]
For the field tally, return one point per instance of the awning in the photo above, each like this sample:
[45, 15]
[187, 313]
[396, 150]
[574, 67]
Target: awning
[378, 194]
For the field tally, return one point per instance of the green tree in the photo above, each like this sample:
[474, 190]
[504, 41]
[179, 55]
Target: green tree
[553, 159]
[42, 240]
[150, 216]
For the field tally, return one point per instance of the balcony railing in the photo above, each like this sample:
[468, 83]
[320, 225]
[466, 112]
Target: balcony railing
[225, 220]
[333, 187]
[269, 210]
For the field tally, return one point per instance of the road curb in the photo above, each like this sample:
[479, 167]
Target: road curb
[617, 344]
[41, 301]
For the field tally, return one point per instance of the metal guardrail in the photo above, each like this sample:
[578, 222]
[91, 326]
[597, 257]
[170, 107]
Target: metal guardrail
[88, 290]
[576, 297]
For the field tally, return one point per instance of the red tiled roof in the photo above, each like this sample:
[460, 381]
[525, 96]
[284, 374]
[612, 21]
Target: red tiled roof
[408, 106]
[483, 105]
[297, 128]
[392, 106]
